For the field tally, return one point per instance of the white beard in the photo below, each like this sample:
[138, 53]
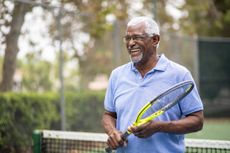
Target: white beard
[136, 59]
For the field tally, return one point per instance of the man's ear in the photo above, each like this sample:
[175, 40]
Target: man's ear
[156, 40]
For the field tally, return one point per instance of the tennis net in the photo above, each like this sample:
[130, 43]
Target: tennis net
[48, 141]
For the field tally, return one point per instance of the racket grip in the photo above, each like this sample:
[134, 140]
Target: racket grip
[124, 137]
[108, 150]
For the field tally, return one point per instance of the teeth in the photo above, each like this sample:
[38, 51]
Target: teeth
[135, 50]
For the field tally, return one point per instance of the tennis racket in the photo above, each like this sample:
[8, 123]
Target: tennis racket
[160, 104]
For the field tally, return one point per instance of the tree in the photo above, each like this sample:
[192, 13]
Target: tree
[206, 18]
[85, 17]
[91, 20]
[11, 41]
[99, 58]
[37, 74]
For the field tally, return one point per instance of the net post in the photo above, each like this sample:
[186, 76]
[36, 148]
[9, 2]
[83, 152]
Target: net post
[37, 141]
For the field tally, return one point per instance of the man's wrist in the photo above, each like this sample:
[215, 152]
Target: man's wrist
[163, 126]
[111, 131]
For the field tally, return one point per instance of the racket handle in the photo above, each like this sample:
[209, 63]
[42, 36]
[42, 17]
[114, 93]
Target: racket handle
[124, 137]
[108, 150]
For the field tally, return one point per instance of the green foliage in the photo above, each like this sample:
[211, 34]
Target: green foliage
[37, 73]
[21, 114]
[4, 11]
[206, 18]
[93, 15]
[84, 111]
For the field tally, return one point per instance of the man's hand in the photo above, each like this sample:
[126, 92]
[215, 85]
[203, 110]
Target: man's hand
[145, 130]
[115, 139]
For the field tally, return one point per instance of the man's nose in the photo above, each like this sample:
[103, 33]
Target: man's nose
[131, 42]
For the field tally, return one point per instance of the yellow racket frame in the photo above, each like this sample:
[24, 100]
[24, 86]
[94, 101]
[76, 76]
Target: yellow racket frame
[140, 121]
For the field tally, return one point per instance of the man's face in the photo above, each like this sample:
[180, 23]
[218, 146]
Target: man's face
[138, 43]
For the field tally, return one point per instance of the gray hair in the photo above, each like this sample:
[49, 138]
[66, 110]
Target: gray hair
[151, 25]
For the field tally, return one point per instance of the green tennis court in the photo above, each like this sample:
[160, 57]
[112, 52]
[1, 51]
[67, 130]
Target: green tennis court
[213, 129]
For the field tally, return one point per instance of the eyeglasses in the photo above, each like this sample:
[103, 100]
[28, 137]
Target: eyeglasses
[127, 38]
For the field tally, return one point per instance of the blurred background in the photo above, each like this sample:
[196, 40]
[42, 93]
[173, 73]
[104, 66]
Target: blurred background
[56, 57]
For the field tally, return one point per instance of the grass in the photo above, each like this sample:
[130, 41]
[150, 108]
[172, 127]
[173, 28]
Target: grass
[216, 129]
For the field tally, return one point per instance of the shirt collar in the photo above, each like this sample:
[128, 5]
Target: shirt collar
[162, 63]
[160, 66]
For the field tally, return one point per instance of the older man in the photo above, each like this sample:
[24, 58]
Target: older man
[134, 84]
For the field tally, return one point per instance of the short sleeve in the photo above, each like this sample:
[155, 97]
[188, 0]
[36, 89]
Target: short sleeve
[109, 96]
[192, 102]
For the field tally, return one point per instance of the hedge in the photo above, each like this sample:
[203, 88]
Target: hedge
[22, 113]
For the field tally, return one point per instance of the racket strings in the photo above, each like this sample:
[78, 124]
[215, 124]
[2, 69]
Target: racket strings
[167, 100]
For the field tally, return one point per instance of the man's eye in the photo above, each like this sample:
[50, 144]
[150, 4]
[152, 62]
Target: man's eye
[137, 38]
[128, 38]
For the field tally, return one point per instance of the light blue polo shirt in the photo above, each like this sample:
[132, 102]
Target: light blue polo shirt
[128, 92]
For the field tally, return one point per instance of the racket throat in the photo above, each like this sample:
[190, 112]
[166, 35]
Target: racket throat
[149, 118]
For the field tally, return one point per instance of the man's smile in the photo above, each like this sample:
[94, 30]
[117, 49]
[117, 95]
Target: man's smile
[135, 51]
